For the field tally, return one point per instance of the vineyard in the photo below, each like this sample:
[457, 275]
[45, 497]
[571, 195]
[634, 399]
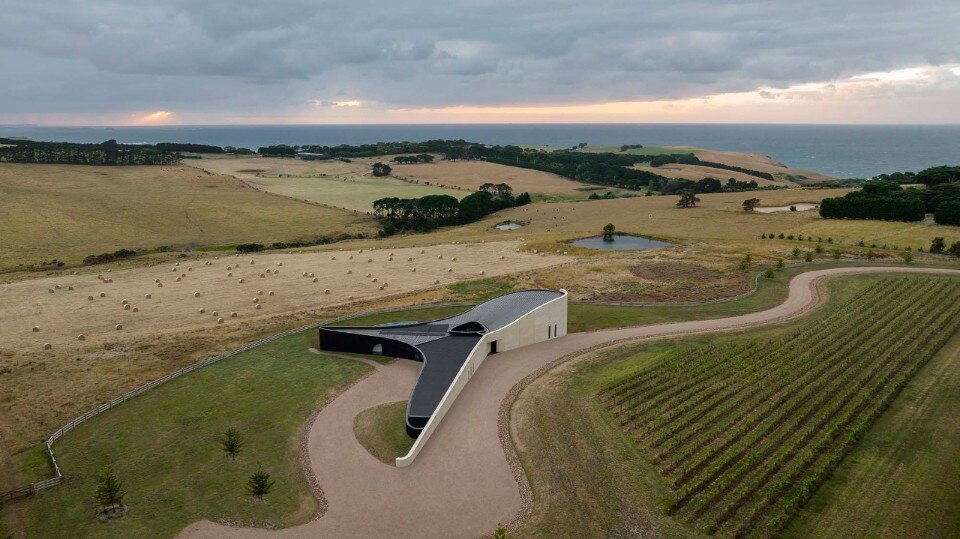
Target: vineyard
[745, 434]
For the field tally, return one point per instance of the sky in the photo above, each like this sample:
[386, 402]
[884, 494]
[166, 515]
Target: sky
[152, 62]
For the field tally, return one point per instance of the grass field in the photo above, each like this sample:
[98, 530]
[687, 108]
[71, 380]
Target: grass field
[381, 431]
[744, 460]
[164, 447]
[70, 211]
[472, 174]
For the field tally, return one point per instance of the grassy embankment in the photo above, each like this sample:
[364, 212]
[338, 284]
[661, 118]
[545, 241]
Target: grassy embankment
[380, 430]
[164, 447]
[879, 489]
[67, 212]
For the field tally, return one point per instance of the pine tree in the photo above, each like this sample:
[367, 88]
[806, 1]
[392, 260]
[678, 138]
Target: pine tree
[109, 489]
[231, 443]
[259, 484]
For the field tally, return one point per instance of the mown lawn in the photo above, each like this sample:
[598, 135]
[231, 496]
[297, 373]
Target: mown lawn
[164, 447]
[381, 430]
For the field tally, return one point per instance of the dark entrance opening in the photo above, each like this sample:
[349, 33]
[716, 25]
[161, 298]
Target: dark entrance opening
[493, 347]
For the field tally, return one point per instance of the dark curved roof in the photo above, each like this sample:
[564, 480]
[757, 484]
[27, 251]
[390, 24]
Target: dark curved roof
[445, 344]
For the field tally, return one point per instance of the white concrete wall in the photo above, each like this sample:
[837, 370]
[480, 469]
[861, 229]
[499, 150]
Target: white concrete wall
[529, 329]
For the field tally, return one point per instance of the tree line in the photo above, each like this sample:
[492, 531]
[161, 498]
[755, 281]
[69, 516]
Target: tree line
[690, 159]
[71, 153]
[433, 211]
[413, 159]
[885, 198]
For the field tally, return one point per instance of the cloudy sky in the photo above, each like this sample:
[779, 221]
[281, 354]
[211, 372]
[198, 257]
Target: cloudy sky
[113, 62]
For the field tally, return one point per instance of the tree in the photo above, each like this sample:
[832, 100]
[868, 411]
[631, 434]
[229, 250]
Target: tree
[381, 169]
[708, 185]
[231, 443]
[259, 484]
[779, 263]
[769, 273]
[954, 249]
[938, 245]
[500, 532]
[687, 200]
[751, 204]
[907, 257]
[523, 199]
[836, 254]
[948, 213]
[109, 489]
[608, 230]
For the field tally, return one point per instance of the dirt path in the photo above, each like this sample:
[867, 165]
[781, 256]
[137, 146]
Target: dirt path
[463, 483]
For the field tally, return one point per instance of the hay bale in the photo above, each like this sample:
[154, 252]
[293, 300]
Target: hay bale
[409, 259]
[81, 337]
[74, 273]
[251, 262]
[118, 327]
[136, 309]
[177, 264]
[381, 287]
[36, 329]
[50, 290]
[126, 307]
[369, 260]
[270, 293]
[368, 275]
[312, 275]
[436, 281]
[215, 313]
[258, 306]
[454, 259]
[259, 292]
[314, 280]
[279, 263]
[190, 269]
[233, 314]
[326, 290]
[58, 287]
[349, 272]
[333, 258]
[47, 346]
[69, 288]
[414, 270]
[184, 275]
[350, 297]
[242, 281]
[262, 275]
[156, 280]
[351, 257]
[374, 279]
[219, 320]
[449, 270]
[179, 279]
[439, 257]
[103, 294]
[147, 296]
[202, 310]
[230, 274]
[304, 274]
[90, 298]
[482, 272]
[196, 294]
[124, 302]
[501, 257]
[256, 300]
[422, 251]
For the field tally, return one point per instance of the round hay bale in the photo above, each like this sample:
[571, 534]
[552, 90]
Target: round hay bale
[69, 288]
[173, 269]
[251, 262]
[47, 346]
[312, 275]
[90, 298]
[259, 292]
[439, 257]
[136, 309]
[301, 251]
[454, 259]
[103, 294]
[50, 290]
[190, 269]
[256, 300]
[216, 258]
[202, 310]
[36, 329]
[230, 274]
[242, 281]
[409, 259]
[262, 275]
[219, 320]
[215, 313]
[184, 275]
[326, 290]
[449, 270]
[304, 274]
[360, 251]
[369, 260]
[374, 279]
[179, 279]
[177, 264]
[279, 263]
[196, 294]
[350, 297]
[501, 257]
[333, 258]
[118, 327]
[314, 280]
[276, 272]
[535, 251]
[124, 302]
[233, 314]
[482, 272]
[81, 337]
[270, 293]
[258, 306]
[349, 272]
[436, 281]
[368, 275]
[156, 280]
[518, 250]
[422, 251]
[58, 287]
[351, 257]
[147, 296]
[74, 273]
[414, 270]
[126, 306]
[381, 287]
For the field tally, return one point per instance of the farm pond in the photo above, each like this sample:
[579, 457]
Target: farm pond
[622, 242]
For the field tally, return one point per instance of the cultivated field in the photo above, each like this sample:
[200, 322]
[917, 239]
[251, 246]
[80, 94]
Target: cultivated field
[697, 172]
[745, 434]
[70, 211]
[332, 182]
[115, 338]
[472, 174]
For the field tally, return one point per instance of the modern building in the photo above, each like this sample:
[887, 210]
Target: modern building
[451, 349]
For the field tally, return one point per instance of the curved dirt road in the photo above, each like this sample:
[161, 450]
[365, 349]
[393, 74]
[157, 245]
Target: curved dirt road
[461, 485]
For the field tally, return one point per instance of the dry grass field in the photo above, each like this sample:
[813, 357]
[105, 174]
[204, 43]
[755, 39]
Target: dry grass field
[697, 172]
[68, 212]
[74, 374]
[333, 183]
[763, 163]
[472, 174]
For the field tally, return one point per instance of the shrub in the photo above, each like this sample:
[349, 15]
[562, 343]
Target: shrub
[808, 257]
[249, 247]
[779, 263]
[769, 273]
[796, 252]
[907, 257]
[836, 254]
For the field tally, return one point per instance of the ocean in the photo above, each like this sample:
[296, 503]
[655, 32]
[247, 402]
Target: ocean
[845, 151]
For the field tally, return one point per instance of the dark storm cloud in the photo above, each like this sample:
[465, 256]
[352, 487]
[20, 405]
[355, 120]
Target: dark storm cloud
[95, 55]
